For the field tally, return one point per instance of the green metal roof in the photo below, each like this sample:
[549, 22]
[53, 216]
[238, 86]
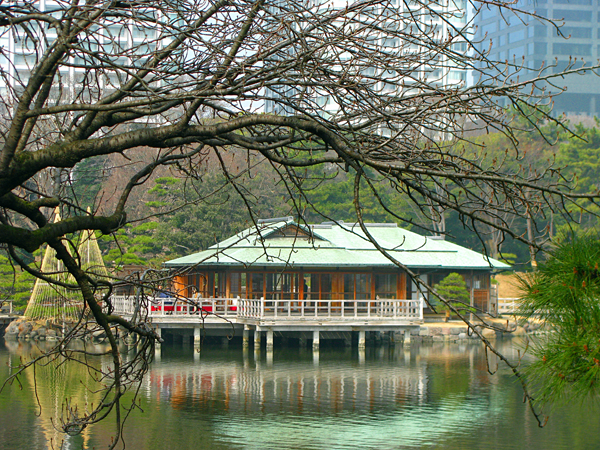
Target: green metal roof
[285, 243]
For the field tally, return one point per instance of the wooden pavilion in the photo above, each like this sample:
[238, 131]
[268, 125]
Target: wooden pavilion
[281, 259]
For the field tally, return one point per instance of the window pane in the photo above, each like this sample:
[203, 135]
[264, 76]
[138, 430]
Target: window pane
[385, 285]
[363, 285]
[257, 285]
[234, 284]
[314, 285]
[307, 282]
[326, 286]
[271, 280]
[348, 286]
[219, 284]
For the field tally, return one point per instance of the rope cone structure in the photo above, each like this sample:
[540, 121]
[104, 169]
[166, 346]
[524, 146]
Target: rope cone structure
[90, 255]
[55, 302]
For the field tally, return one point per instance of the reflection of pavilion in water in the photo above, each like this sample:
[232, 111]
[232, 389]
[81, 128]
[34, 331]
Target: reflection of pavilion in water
[327, 387]
[402, 394]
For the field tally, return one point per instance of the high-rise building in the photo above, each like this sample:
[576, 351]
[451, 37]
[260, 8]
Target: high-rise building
[426, 59]
[530, 43]
[112, 44]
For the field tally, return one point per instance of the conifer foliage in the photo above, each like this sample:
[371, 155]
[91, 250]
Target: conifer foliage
[564, 293]
[454, 289]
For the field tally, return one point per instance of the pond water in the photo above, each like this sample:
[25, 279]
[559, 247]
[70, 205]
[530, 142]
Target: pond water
[422, 397]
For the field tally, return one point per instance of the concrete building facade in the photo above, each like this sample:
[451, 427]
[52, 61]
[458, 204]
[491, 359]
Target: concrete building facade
[439, 19]
[532, 43]
[113, 43]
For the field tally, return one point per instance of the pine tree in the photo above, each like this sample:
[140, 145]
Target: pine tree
[453, 289]
[564, 294]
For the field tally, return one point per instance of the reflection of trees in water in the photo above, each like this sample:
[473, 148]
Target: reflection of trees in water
[446, 366]
[61, 389]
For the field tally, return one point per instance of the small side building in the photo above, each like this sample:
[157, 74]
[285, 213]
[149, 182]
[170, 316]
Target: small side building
[280, 259]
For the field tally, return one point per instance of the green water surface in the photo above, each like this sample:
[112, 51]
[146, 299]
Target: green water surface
[421, 397]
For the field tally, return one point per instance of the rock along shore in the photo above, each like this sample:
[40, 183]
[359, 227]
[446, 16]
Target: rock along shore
[34, 329]
[455, 331]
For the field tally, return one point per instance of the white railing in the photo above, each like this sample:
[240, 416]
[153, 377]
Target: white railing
[331, 309]
[123, 304]
[380, 309]
[508, 305]
[170, 306]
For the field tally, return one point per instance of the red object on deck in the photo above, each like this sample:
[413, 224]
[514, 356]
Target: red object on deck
[166, 307]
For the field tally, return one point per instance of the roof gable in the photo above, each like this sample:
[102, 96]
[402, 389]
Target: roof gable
[287, 229]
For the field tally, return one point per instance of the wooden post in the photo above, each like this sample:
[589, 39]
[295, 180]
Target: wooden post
[256, 338]
[316, 340]
[197, 336]
[361, 339]
[246, 336]
[158, 331]
[401, 286]
[227, 275]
